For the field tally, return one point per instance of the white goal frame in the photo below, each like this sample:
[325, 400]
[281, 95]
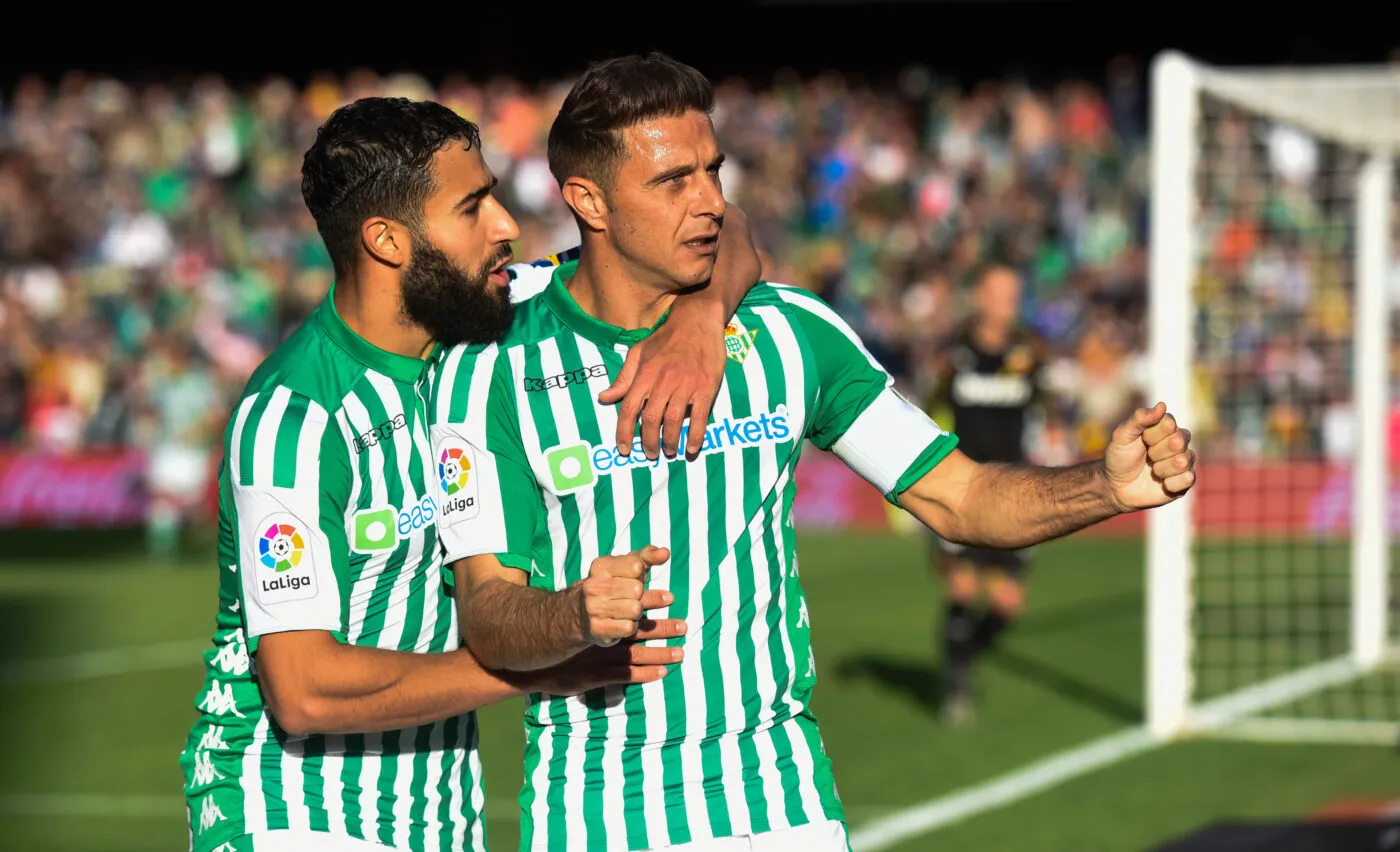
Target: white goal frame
[1358, 107]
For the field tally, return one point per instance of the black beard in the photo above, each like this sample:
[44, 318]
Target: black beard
[451, 305]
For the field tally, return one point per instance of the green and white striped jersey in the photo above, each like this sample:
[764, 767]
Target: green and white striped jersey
[328, 512]
[727, 744]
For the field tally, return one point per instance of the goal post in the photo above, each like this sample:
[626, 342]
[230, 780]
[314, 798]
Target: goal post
[1271, 203]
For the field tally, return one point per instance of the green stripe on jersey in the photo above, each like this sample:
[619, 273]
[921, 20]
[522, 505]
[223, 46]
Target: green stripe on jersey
[726, 744]
[328, 516]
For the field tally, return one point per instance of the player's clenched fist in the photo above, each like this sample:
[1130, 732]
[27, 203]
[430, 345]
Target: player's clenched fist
[613, 597]
[1150, 461]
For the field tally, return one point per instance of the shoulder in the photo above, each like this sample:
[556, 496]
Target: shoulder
[308, 367]
[791, 300]
[776, 293]
[291, 381]
[461, 363]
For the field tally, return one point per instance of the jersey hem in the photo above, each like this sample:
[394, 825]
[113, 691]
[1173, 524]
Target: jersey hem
[607, 845]
[213, 839]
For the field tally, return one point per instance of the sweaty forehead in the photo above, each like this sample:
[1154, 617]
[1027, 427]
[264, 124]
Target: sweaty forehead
[660, 142]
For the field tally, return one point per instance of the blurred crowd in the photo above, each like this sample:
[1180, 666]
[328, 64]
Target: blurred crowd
[154, 245]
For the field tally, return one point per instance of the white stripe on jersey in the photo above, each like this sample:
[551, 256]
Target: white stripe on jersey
[265, 442]
[586, 538]
[254, 807]
[764, 592]
[293, 786]
[726, 571]
[530, 438]
[794, 374]
[357, 607]
[478, 792]
[454, 785]
[235, 456]
[614, 813]
[407, 455]
[447, 372]
[332, 765]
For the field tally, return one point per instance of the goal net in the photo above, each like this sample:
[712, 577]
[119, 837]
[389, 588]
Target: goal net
[1271, 592]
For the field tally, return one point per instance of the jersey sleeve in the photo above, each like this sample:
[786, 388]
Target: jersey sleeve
[859, 415]
[490, 500]
[529, 279]
[289, 473]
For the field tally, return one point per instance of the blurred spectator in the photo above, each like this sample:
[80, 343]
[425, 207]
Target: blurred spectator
[154, 245]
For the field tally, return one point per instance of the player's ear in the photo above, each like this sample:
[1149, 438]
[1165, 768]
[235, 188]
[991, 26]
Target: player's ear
[386, 241]
[587, 201]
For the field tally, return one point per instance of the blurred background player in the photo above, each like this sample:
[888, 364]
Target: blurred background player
[184, 414]
[989, 377]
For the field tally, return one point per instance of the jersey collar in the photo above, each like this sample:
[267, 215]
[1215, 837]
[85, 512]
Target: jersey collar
[559, 300]
[400, 368]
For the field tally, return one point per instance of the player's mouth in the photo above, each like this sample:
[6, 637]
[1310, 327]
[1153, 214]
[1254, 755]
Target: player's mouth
[498, 274]
[703, 246]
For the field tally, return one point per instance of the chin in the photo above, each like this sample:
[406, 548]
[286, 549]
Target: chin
[701, 273]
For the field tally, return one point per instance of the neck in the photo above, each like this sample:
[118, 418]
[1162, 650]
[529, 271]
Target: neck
[608, 288]
[369, 304]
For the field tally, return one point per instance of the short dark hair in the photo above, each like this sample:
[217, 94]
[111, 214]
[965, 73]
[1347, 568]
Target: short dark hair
[374, 157]
[586, 138]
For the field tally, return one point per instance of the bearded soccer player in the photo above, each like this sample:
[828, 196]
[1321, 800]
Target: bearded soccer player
[337, 711]
[725, 753]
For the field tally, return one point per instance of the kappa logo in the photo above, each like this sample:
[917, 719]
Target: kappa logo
[220, 700]
[563, 380]
[382, 432]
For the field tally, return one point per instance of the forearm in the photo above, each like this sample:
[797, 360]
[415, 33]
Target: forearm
[1013, 506]
[708, 307]
[356, 689]
[515, 627]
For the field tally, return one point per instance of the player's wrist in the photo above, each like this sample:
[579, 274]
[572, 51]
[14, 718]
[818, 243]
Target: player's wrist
[1105, 488]
[576, 604]
[703, 309]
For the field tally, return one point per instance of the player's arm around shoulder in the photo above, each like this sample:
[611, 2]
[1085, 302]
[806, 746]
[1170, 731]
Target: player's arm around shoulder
[1148, 463]
[290, 476]
[676, 372]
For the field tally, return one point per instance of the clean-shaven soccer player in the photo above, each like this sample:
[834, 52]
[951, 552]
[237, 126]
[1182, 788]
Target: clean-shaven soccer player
[337, 710]
[724, 753]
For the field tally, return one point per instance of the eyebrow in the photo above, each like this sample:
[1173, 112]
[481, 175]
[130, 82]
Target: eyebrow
[472, 198]
[681, 171]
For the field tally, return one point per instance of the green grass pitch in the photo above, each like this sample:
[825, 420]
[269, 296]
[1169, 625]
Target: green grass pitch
[1070, 672]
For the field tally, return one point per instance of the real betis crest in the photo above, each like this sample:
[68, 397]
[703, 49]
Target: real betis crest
[738, 341]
